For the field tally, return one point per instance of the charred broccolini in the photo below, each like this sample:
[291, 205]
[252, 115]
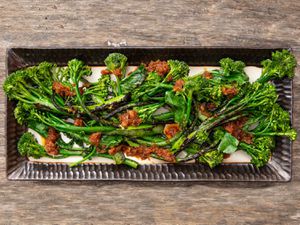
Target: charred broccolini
[158, 110]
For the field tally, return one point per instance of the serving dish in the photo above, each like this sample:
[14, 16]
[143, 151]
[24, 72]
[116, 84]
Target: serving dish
[278, 169]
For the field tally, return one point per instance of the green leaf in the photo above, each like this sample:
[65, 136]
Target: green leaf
[240, 78]
[38, 127]
[109, 141]
[178, 103]
[219, 134]
[228, 144]
[135, 79]
[153, 77]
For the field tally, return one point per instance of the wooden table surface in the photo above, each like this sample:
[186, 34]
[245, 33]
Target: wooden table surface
[91, 23]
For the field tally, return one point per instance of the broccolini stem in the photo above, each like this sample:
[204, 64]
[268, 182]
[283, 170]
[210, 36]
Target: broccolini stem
[197, 155]
[264, 78]
[122, 108]
[189, 107]
[152, 92]
[40, 128]
[91, 115]
[160, 143]
[163, 116]
[127, 161]
[84, 158]
[61, 109]
[235, 118]
[137, 132]
[205, 126]
[112, 103]
[71, 128]
[68, 153]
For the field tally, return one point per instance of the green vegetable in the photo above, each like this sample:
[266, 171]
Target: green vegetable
[108, 141]
[146, 112]
[116, 61]
[228, 144]
[281, 65]
[19, 86]
[98, 92]
[28, 146]
[132, 81]
[260, 150]
[86, 157]
[113, 62]
[153, 85]
[128, 162]
[272, 121]
[40, 128]
[178, 103]
[203, 90]
[233, 71]
[108, 104]
[21, 112]
[201, 108]
[178, 70]
[119, 158]
[77, 70]
[256, 95]
[212, 158]
[229, 66]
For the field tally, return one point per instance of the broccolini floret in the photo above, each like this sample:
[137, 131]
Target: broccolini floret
[259, 150]
[28, 146]
[178, 69]
[282, 64]
[116, 61]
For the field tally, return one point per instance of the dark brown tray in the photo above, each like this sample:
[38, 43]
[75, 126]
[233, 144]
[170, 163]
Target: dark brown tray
[19, 168]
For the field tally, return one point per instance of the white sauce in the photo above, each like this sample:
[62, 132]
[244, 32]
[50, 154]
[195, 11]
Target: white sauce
[253, 72]
[237, 157]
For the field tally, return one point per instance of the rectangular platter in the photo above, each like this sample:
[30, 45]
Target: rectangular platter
[19, 168]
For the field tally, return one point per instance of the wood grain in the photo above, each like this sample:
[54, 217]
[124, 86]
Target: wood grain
[152, 23]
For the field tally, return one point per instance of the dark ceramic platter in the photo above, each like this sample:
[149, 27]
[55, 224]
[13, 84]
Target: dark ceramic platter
[19, 168]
